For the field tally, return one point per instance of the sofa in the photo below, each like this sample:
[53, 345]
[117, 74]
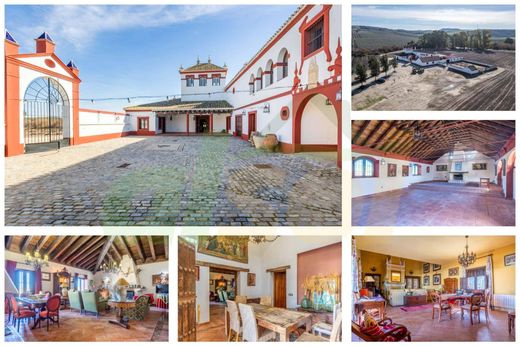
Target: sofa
[140, 310]
[75, 301]
[93, 302]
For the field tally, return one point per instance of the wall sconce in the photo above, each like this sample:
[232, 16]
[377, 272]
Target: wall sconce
[328, 103]
[244, 112]
[383, 162]
[339, 95]
[267, 108]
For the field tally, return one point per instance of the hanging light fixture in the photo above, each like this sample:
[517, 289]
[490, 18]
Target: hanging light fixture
[417, 135]
[111, 267]
[258, 239]
[267, 108]
[36, 260]
[467, 259]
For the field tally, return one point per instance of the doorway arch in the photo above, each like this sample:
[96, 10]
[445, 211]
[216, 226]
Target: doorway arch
[46, 115]
[510, 175]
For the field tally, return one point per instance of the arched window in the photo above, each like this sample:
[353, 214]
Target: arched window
[252, 84]
[259, 78]
[283, 64]
[364, 167]
[269, 73]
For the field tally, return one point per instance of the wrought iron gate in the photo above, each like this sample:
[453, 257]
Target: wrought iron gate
[46, 115]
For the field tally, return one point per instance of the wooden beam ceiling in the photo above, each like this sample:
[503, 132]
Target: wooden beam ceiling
[152, 248]
[104, 251]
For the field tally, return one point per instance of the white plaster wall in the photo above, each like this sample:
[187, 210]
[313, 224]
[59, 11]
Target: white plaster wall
[219, 122]
[203, 93]
[91, 124]
[369, 186]
[271, 123]
[319, 122]
[26, 77]
[177, 124]
[504, 177]
[133, 120]
[149, 269]
[467, 159]
[202, 291]
[52, 268]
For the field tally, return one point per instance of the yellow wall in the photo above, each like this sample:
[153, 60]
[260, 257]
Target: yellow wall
[503, 277]
[370, 259]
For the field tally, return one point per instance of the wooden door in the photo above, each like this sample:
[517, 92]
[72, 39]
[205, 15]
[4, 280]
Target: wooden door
[228, 123]
[162, 124]
[251, 123]
[238, 125]
[451, 285]
[280, 289]
[55, 284]
[187, 319]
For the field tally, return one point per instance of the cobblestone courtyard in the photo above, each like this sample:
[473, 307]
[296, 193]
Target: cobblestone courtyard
[167, 180]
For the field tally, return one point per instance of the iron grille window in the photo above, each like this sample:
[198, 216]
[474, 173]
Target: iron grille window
[215, 81]
[314, 37]
[476, 279]
[202, 81]
[143, 124]
[190, 82]
[363, 167]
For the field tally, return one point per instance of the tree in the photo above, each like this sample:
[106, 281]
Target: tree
[361, 73]
[509, 40]
[383, 60]
[394, 63]
[486, 39]
[373, 65]
[463, 39]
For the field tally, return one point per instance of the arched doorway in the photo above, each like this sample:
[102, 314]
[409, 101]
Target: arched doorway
[499, 173]
[313, 120]
[46, 115]
[510, 175]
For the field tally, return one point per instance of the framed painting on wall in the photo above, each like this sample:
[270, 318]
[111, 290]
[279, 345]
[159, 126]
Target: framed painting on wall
[160, 279]
[46, 276]
[479, 166]
[509, 260]
[426, 280]
[436, 267]
[406, 170]
[453, 271]
[233, 248]
[426, 268]
[392, 170]
[251, 279]
[437, 279]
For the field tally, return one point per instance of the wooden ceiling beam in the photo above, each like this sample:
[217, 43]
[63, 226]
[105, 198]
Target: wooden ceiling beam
[104, 251]
[25, 244]
[116, 252]
[139, 248]
[87, 247]
[125, 247]
[88, 253]
[166, 245]
[8, 241]
[73, 249]
[68, 243]
[55, 243]
[42, 242]
[373, 132]
[382, 136]
[360, 131]
[390, 140]
[152, 249]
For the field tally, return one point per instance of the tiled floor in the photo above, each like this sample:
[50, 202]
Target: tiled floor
[76, 327]
[432, 207]
[423, 328]
[214, 329]
[172, 181]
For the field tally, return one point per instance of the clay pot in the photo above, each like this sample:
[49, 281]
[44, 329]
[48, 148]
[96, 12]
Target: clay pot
[271, 142]
[258, 141]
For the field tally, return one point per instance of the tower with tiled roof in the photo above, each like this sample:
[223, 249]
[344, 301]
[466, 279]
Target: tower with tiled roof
[203, 81]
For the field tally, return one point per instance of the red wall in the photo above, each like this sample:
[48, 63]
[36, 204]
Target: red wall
[324, 260]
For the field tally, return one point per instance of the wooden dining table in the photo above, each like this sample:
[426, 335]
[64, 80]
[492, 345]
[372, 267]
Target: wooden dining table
[460, 298]
[281, 321]
[35, 303]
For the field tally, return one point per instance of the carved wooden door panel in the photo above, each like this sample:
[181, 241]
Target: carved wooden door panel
[187, 319]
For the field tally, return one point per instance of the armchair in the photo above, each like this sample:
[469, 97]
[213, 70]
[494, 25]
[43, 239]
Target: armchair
[383, 330]
[92, 302]
[75, 301]
[140, 310]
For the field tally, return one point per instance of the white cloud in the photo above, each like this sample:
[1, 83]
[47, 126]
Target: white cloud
[79, 25]
[462, 17]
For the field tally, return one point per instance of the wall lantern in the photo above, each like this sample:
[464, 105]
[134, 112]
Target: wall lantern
[338, 95]
[267, 108]
[244, 112]
[383, 162]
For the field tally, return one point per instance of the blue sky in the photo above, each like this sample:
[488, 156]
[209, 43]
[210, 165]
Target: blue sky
[124, 51]
[429, 17]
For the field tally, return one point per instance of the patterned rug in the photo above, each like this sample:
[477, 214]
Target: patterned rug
[416, 308]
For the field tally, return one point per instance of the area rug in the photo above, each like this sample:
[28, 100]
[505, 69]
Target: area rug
[416, 308]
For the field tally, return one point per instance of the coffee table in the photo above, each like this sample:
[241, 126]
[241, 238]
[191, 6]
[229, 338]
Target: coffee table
[120, 307]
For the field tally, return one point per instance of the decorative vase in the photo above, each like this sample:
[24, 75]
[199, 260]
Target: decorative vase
[258, 141]
[121, 292]
[271, 142]
[306, 303]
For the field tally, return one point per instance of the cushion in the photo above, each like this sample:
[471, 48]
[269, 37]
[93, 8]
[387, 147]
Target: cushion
[26, 313]
[46, 313]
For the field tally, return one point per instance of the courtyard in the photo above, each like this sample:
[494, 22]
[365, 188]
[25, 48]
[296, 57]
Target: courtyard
[172, 180]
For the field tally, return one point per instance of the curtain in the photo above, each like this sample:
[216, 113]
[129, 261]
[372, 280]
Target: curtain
[356, 276]
[10, 267]
[76, 282]
[489, 274]
[37, 280]
[462, 272]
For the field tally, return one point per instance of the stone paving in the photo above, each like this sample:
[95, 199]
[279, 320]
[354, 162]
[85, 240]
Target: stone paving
[174, 181]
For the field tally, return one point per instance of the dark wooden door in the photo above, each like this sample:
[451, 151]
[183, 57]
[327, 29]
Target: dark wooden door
[238, 125]
[251, 123]
[162, 124]
[280, 289]
[55, 284]
[187, 319]
[228, 123]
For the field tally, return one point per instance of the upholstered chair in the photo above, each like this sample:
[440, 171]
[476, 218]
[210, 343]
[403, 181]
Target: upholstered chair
[241, 299]
[324, 328]
[52, 311]
[92, 302]
[75, 301]
[140, 310]
[439, 305]
[335, 335]
[21, 314]
[266, 300]
[473, 307]
[234, 320]
[250, 330]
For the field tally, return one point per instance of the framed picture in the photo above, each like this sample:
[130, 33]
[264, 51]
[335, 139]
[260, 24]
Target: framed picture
[436, 267]
[479, 166]
[211, 282]
[427, 169]
[441, 168]
[406, 170]
[509, 260]
[46, 276]
[395, 276]
[392, 170]
[437, 279]
[426, 280]
[426, 268]
[453, 271]
[251, 279]
[160, 279]
[234, 248]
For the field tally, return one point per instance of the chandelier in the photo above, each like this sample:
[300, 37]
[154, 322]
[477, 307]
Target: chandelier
[417, 134]
[467, 259]
[36, 260]
[111, 267]
[258, 239]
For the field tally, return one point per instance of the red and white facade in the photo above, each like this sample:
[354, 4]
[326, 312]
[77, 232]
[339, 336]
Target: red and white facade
[24, 73]
[294, 84]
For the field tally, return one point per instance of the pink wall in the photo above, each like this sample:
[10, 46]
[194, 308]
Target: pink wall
[324, 260]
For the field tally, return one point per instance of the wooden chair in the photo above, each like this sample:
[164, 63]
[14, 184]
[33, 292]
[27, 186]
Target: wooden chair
[234, 320]
[486, 304]
[324, 328]
[473, 307]
[21, 314]
[250, 329]
[266, 300]
[393, 331]
[241, 299]
[52, 311]
[335, 335]
[439, 304]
